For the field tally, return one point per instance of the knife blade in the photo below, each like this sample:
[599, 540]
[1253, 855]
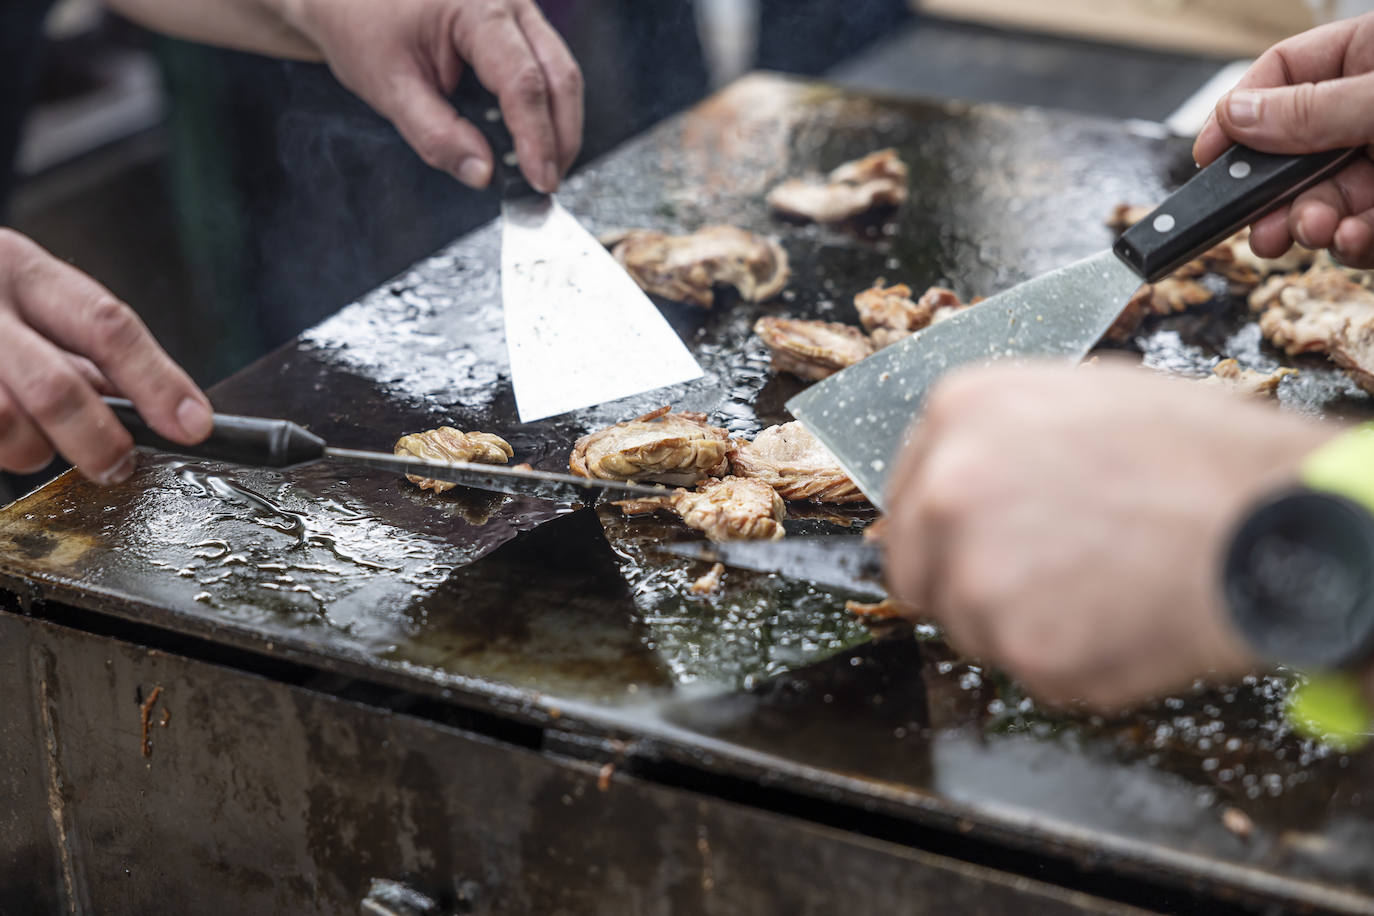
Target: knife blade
[579, 330]
[263, 442]
[864, 414]
[842, 562]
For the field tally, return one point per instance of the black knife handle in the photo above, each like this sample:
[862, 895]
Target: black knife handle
[480, 106]
[1230, 193]
[241, 440]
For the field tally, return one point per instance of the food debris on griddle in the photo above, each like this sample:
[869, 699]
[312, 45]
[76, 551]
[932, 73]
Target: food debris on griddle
[724, 509]
[794, 463]
[1250, 382]
[709, 582]
[1323, 310]
[812, 349]
[687, 268]
[877, 182]
[661, 446]
[449, 444]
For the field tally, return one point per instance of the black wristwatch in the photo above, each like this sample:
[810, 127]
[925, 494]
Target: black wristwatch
[1299, 579]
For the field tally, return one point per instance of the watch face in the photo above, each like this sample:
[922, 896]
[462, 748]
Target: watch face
[1300, 580]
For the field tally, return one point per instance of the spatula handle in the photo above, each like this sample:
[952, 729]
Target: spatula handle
[1230, 193]
[241, 440]
[480, 106]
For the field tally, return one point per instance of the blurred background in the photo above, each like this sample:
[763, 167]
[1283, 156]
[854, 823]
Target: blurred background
[235, 200]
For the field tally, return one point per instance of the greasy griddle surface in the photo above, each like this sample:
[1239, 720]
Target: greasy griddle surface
[440, 595]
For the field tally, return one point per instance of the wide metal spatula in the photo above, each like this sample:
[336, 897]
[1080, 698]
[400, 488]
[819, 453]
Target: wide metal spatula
[579, 330]
[863, 414]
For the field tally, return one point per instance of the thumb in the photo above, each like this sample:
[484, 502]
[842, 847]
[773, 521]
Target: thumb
[1304, 118]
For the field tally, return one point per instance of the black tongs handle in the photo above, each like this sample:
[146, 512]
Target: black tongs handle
[241, 440]
[480, 106]
[1232, 192]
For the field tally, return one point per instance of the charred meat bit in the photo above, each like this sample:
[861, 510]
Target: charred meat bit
[687, 268]
[812, 349]
[1324, 310]
[887, 609]
[1163, 297]
[892, 307]
[876, 182]
[661, 446]
[1231, 375]
[726, 509]
[709, 582]
[795, 464]
[449, 444]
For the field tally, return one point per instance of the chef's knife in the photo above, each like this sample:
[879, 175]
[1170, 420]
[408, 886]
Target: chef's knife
[579, 330]
[843, 562]
[271, 443]
[863, 414]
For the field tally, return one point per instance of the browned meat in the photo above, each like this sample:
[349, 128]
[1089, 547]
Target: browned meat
[886, 337]
[875, 182]
[887, 609]
[1324, 310]
[709, 582]
[892, 308]
[672, 448]
[812, 349]
[726, 509]
[1230, 374]
[1164, 297]
[687, 268]
[792, 461]
[449, 444]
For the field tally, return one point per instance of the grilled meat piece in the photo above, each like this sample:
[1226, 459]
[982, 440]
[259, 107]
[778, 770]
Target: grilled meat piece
[709, 582]
[892, 307]
[672, 448]
[792, 461]
[1164, 297]
[887, 609]
[687, 268]
[449, 444]
[1231, 375]
[1324, 310]
[725, 509]
[877, 181]
[812, 349]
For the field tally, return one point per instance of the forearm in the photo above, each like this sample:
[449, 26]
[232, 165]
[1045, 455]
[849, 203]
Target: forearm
[259, 26]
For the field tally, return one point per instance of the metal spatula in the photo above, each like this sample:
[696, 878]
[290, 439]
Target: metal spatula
[863, 414]
[579, 331]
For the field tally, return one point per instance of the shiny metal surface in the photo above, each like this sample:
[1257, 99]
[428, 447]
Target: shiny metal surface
[864, 413]
[548, 485]
[846, 563]
[579, 331]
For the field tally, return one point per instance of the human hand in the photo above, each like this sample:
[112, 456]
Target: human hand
[405, 58]
[1309, 93]
[1069, 525]
[66, 341]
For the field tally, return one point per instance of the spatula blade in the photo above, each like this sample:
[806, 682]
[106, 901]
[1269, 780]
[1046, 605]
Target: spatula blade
[579, 330]
[863, 414]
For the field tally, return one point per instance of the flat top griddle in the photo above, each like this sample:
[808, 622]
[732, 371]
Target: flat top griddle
[527, 610]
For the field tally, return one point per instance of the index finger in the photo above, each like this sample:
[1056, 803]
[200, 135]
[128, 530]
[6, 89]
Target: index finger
[491, 41]
[77, 313]
[564, 78]
[1318, 54]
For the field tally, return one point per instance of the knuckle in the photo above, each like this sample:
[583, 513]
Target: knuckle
[432, 148]
[1303, 105]
[529, 86]
[115, 327]
[569, 80]
[53, 396]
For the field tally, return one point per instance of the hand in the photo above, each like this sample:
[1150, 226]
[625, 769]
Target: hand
[1309, 93]
[405, 57]
[66, 341]
[1068, 525]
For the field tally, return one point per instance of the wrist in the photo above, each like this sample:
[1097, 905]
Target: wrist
[298, 17]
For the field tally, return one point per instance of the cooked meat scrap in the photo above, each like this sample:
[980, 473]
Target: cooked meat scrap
[1230, 374]
[449, 444]
[892, 307]
[709, 582]
[725, 509]
[887, 609]
[795, 464]
[687, 268]
[1324, 310]
[1163, 297]
[886, 337]
[878, 181]
[672, 448]
[812, 349]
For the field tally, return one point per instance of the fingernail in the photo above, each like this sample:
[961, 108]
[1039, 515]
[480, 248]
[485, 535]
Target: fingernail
[474, 172]
[1303, 231]
[194, 417]
[122, 471]
[550, 177]
[1244, 107]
